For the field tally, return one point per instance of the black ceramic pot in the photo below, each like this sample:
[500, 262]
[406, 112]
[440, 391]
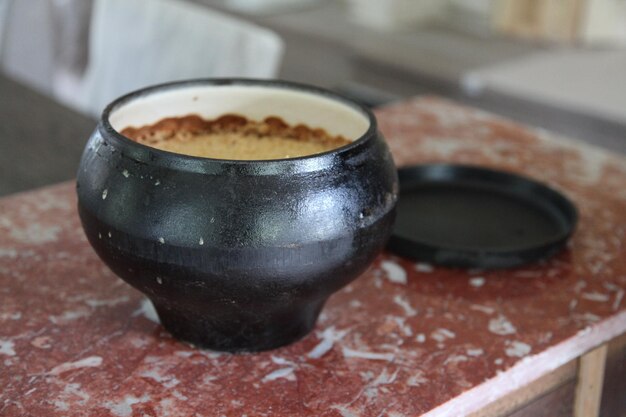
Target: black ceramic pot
[237, 255]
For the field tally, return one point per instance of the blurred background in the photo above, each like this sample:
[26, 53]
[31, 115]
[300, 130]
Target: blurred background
[555, 64]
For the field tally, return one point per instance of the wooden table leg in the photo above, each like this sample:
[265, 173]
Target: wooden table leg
[590, 378]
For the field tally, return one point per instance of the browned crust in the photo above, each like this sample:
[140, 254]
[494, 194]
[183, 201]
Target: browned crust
[185, 127]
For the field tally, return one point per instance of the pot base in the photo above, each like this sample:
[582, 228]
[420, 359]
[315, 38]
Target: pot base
[234, 330]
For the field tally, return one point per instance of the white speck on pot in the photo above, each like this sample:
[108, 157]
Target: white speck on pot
[104, 194]
[201, 242]
[109, 234]
[159, 280]
[99, 235]
[157, 182]
[125, 173]
[161, 240]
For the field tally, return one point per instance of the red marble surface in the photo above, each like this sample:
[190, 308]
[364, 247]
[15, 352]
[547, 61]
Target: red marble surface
[402, 340]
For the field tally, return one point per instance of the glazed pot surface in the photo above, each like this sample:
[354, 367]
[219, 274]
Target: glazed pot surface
[237, 255]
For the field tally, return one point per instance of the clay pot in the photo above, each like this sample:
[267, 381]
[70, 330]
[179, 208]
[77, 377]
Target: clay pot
[237, 255]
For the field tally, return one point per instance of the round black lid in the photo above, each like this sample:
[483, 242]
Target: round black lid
[467, 216]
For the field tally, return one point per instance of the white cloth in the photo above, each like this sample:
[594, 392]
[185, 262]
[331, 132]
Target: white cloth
[27, 49]
[589, 81]
[135, 43]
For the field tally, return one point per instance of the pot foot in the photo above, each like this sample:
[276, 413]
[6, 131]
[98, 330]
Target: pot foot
[228, 329]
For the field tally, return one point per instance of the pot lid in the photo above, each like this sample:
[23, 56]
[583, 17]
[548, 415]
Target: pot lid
[469, 216]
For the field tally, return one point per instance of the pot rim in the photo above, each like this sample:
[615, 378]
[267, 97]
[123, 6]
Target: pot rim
[150, 155]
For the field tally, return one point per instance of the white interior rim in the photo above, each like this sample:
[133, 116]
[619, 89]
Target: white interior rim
[255, 102]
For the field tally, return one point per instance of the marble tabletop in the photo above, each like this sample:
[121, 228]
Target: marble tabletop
[404, 339]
